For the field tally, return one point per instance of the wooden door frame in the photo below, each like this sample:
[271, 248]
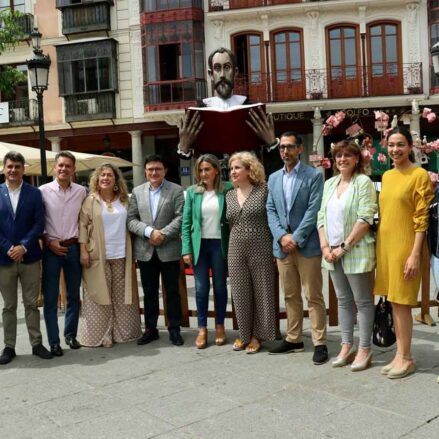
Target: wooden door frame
[248, 33]
[354, 26]
[273, 54]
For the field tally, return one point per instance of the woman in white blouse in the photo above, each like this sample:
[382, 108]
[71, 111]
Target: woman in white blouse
[348, 249]
[110, 307]
[205, 236]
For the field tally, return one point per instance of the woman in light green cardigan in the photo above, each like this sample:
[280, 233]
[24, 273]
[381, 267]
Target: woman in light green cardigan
[205, 238]
[348, 249]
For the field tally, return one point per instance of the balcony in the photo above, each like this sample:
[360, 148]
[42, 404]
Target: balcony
[380, 80]
[22, 112]
[163, 5]
[90, 106]
[165, 95]
[88, 17]
[222, 5]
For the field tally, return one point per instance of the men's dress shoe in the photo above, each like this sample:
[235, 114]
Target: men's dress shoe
[347, 359]
[72, 342]
[176, 338]
[148, 336]
[7, 355]
[396, 373]
[40, 351]
[320, 355]
[56, 350]
[285, 347]
[363, 365]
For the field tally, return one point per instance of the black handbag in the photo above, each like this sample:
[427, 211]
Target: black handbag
[383, 334]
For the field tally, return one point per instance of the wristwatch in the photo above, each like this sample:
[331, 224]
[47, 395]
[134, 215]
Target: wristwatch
[345, 247]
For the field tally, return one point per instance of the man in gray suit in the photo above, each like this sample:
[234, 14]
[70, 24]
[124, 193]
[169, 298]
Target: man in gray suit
[154, 216]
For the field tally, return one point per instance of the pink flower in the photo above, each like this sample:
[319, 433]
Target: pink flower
[382, 158]
[431, 117]
[333, 121]
[426, 111]
[326, 163]
[340, 116]
[367, 156]
[433, 146]
[383, 142]
[387, 131]
[381, 116]
[326, 129]
[433, 177]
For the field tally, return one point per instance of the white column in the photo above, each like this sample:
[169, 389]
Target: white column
[137, 157]
[415, 120]
[317, 123]
[55, 143]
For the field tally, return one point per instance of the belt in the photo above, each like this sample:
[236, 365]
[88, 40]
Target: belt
[68, 242]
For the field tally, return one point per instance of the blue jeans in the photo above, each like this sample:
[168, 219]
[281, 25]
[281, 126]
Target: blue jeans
[52, 265]
[211, 257]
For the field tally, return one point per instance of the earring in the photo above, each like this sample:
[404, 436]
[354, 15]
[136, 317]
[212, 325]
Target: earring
[115, 188]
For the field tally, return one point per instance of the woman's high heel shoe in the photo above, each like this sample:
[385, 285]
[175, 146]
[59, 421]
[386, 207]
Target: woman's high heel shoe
[220, 336]
[344, 361]
[201, 340]
[363, 365]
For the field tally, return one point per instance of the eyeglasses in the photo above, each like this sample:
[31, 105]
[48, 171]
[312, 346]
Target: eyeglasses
[151, 170]
[288, 147]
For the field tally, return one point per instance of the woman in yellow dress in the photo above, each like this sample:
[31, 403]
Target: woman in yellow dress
[403, 206]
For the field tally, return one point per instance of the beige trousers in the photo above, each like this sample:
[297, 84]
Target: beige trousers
[29, 275]
[299, 273]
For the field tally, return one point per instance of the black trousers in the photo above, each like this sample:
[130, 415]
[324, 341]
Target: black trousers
[150, 275]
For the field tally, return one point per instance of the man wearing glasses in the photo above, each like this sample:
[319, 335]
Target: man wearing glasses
[155, 216]
[295, 194]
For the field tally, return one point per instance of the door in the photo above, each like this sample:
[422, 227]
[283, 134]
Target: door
[385, 68]
[344, 73]
[288, 72]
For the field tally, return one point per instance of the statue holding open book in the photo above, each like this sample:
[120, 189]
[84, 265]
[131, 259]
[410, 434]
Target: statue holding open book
[225, 122]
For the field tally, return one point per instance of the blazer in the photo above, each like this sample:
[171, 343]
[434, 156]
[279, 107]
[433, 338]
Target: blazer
[192, 222]
[24, 227]
[168, 220]
[301, 220]
[92, 234]
[360, 204]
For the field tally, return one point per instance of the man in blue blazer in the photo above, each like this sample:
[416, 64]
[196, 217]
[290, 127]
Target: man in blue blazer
[295, 194]
[21, 224]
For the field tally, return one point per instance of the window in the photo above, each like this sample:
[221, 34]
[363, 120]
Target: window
[14, 5]
[344, 78]
[87, 67]
[433, 20]
[21, 91]
[385, 68]
[288, 69]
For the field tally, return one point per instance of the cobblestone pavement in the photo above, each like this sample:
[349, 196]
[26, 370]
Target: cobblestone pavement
[162, 391]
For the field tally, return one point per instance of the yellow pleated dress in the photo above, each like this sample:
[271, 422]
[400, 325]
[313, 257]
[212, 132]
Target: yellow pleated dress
[403, 208]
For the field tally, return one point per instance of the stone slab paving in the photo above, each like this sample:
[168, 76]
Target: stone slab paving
[167, 392]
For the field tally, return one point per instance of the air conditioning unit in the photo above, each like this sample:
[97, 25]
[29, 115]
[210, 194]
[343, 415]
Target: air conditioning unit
[87, 106]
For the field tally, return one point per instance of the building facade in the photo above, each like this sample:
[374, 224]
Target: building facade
[123, 71]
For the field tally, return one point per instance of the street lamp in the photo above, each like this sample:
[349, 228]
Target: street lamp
[435, 57]
[38, 68]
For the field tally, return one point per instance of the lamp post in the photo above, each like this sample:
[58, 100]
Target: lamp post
[38, 68]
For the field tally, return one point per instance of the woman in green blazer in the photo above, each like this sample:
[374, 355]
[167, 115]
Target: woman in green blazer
[348, 249]
[205, 238]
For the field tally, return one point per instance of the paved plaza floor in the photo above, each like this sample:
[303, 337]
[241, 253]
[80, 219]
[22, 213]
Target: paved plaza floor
[163, 391]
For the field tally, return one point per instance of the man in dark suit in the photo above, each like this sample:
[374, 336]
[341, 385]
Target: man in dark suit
[155, 216]
[21, 224]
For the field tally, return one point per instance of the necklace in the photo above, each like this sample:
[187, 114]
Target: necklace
[109, 203]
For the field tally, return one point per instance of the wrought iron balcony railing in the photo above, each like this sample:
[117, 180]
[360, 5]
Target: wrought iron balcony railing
[222, 5]
[162, 94]
[389, 79]
[90, 106]
[89, 17]
[18, 113]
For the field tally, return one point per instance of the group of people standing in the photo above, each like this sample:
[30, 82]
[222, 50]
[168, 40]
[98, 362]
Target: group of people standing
[221, 230]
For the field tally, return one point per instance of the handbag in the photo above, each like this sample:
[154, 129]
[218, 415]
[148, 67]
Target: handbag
[383, 334]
